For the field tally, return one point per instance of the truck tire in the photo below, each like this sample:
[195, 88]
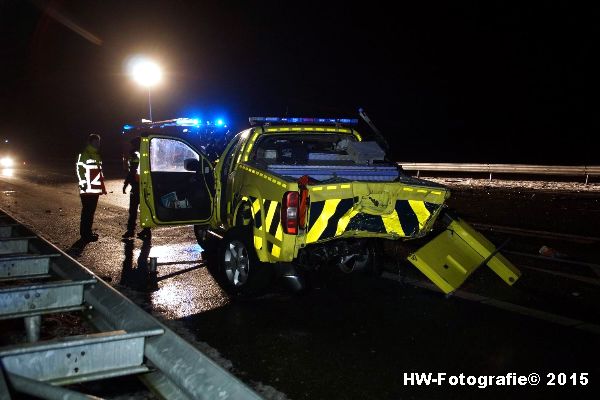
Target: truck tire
[241, 273]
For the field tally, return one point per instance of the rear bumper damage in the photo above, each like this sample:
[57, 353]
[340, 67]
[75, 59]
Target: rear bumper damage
[447, 260]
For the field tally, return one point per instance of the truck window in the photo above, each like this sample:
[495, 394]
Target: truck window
[227, 158]
[168, 155]
[228, 162]
[325, 158]
[239, 147]
[306, 149]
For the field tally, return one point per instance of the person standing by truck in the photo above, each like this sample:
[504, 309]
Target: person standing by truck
[91, 185]
[133, 179]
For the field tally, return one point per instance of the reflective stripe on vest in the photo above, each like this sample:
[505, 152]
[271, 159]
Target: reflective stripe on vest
[92, 177]
[135, 160]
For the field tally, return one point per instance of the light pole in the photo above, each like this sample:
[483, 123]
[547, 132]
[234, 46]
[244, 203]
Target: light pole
[147, 73]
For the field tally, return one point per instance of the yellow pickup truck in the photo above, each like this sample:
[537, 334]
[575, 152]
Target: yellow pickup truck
[294, 194]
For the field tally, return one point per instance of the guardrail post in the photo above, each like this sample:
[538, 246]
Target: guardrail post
[152, 276]
[32, 328]
[152, 265]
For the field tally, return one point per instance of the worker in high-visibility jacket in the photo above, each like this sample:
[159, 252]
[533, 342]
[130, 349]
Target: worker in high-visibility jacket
[133, 179]
[91, 186]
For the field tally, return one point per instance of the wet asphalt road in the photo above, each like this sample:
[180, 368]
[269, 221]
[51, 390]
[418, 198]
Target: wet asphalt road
[353, 337]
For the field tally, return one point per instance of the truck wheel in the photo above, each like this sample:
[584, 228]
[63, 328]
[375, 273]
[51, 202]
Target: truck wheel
[240, 271]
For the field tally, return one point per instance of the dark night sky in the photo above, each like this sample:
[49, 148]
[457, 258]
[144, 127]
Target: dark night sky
[454, 81]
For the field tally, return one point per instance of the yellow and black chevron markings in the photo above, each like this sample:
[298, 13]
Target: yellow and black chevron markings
[272, 224]
[330, 218]
[333, 217]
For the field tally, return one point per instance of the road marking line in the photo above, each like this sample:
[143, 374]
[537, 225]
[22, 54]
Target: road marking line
[590, 328]
[511, 307]
[532, 312]
[535, 233]
[594, 267]
[579, 278]
[555, 259]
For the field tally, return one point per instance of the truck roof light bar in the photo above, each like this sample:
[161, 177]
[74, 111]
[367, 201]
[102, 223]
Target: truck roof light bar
[301, 121]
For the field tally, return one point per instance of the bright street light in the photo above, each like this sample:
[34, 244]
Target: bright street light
[147, 73]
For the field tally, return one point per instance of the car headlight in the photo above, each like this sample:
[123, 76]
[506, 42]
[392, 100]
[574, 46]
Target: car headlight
[7, 162]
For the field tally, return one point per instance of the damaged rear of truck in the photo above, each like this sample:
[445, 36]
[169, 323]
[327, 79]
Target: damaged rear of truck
[290, 195]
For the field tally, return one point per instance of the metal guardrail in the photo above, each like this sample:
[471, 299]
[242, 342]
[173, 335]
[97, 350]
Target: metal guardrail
[128, 342]
[566, 170]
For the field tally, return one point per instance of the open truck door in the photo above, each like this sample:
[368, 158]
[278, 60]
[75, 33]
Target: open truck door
[454, 254]
[177, 183]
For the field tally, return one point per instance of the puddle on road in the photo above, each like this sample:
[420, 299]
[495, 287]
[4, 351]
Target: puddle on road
[187, 294]
[185, 297]
[176, 252]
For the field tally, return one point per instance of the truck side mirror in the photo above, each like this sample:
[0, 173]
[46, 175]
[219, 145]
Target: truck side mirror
[191, 164]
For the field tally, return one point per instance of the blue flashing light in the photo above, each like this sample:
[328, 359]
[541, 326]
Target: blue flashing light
[295, 120]
[189, 125]
[326, 120]
[187, 121]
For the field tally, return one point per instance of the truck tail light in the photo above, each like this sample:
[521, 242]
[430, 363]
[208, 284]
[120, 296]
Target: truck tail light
[289, 213]
[303, 207]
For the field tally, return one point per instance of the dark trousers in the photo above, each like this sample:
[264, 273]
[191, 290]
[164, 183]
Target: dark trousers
[88, 208]
[134, 202]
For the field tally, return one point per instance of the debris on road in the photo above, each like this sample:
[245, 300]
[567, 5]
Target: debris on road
[550, 252]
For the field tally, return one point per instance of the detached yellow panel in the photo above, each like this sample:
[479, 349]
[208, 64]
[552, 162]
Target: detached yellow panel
[454, 254]
[447, 261]
[498, 263]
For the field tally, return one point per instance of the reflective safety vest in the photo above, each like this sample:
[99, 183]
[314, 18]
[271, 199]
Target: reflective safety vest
[89, 172]
[133, 172]
[134, 166]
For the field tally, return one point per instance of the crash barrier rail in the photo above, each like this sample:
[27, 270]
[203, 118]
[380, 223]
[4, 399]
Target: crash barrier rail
[36, 279]
[566, 170]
